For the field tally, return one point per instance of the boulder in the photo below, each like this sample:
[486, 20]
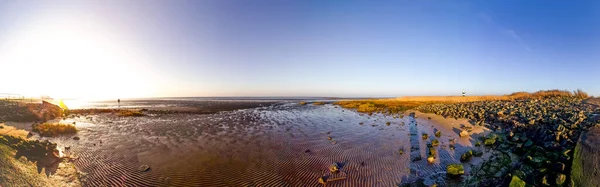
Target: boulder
[586, 158]
[463, 133]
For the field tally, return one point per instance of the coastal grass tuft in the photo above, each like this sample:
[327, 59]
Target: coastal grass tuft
[54, 129]
[318, 103]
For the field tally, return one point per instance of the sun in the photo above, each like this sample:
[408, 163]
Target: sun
[72, 59]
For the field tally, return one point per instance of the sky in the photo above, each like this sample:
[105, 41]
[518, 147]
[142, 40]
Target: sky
[153, 48]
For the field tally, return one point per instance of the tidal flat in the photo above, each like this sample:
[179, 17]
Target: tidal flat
[315, 143]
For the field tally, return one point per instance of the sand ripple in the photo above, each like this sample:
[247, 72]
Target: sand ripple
[280, 145]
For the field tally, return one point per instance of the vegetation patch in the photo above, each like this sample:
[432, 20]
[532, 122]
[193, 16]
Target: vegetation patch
[130, 113]
[54, 129]
[318, 103]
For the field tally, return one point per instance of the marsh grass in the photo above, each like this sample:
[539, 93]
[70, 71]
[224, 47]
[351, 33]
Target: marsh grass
[54, 129]
[318, 103]
[381, 105]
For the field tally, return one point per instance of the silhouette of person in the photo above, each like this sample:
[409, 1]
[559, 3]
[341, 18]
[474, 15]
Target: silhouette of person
[119, 102]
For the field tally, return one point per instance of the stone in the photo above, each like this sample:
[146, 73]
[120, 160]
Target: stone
[455, 169]
[76, 138]
[560, 179]
[334, 168]
[430, 159]
[517, 182]
[463, 133]
[417, 158]
[489, 141]
[144, 168]
[435, 142]
[465, 157]
[322, 180]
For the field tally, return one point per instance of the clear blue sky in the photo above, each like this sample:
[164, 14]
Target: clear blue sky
[335, 48]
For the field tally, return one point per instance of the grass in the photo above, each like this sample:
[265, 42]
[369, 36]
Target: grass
[381, 105]
[402, 104]
[302, 103]
[318, 103]
[54, 129]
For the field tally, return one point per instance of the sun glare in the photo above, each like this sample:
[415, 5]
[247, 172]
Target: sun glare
[72, 60]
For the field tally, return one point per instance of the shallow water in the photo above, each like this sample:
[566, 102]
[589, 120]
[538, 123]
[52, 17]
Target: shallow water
[283, 144]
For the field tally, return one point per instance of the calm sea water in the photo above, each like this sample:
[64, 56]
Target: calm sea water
[179, 102]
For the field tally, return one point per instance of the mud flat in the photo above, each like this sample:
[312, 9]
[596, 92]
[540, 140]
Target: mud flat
[281, 144]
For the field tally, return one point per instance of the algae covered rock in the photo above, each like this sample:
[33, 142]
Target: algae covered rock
[455, 169]
[516, 182]
[465, 157]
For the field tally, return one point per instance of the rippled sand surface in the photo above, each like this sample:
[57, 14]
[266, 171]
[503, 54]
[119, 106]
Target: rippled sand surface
[280, 145]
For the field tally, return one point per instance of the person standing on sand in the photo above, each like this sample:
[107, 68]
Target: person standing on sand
[118, 102]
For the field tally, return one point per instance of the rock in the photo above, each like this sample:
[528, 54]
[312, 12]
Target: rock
[528, 143]
[438, 134]
[334, 168]
[455, 169]
[417, 158]
[401, 151]
[558, 167]
[489, 141]
[76, 138]
[323, 180]
[560, 179]
[425, 136]
[430, 159]
[144, 168]
[584, 171]
[463, 133]
[517, 182]
[465, 157]
[435, 142]
[388, 123]
[307, 151]
[329, 138]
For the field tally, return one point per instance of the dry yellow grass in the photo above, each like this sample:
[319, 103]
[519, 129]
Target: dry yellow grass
[453, 98]
[405, 103]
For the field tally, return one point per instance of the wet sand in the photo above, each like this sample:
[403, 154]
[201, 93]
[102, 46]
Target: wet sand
[276, 145]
